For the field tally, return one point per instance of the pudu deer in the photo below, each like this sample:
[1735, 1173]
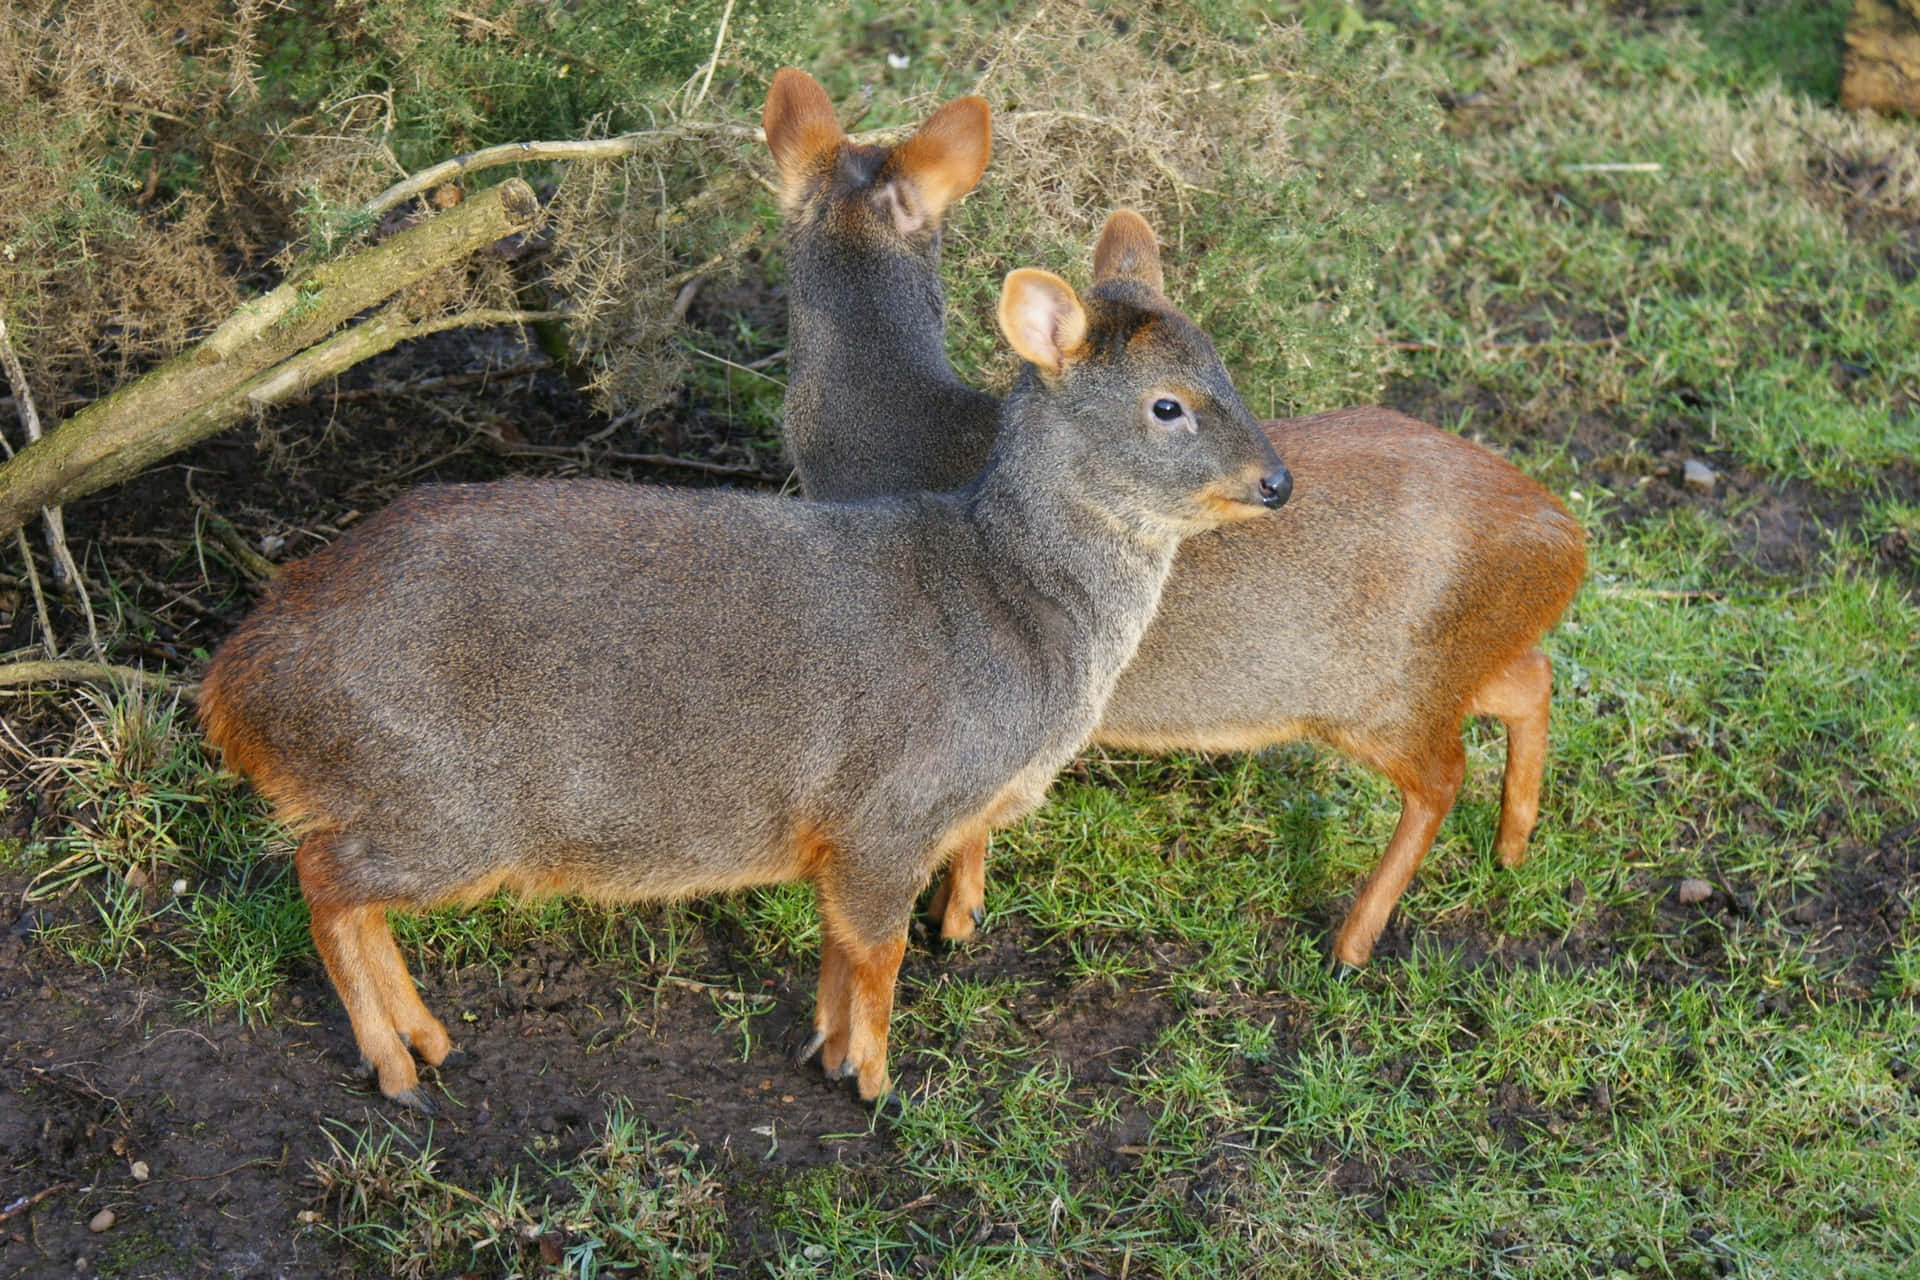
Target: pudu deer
[1404, 587]
[629, 692]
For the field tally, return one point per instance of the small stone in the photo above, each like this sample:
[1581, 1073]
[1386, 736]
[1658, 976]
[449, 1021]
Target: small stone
[101, 1221]
[309, 1216]
[1698, 476]
[180, 886]
[1692, 891]
[140, 1171]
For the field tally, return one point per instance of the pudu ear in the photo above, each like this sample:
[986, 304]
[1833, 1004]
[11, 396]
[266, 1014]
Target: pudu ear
[1043, 319]
[801, 129]
[940, 163]
[1128, 251]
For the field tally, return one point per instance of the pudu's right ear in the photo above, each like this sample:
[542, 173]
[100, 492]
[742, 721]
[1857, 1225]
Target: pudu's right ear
[801, 129]
[940, 163]
[1128, 250]
[1043, 319]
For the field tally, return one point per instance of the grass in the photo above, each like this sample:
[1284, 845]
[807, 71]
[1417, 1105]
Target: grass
[1555, 1071]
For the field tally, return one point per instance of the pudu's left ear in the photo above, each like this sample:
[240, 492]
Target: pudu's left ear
[1043, 319]
[941, 162]
[1128, 250]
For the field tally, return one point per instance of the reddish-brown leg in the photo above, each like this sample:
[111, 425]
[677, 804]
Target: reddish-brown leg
[1519, 694]
[960, 903]
[343, 934]
[1423, 803]
[874, 972]
[419, 1028]
[829, 1008]
[857, 974]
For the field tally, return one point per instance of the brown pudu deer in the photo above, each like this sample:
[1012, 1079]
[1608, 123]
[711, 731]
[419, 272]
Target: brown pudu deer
[1404, 587]
[628, 692]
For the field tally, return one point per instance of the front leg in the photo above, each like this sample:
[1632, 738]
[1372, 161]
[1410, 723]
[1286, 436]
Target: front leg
[855, 1011]
[865, 908]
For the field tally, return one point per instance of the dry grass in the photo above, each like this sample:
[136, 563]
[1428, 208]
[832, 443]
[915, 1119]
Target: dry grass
[1190, 127]
[99, 268]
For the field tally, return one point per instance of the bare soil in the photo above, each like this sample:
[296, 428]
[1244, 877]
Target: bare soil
[102, 1070]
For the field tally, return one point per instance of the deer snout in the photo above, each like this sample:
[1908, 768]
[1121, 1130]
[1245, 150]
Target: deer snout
[1276, 486]
[1276, 482]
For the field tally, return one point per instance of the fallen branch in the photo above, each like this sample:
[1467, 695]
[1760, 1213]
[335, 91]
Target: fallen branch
[260, 356]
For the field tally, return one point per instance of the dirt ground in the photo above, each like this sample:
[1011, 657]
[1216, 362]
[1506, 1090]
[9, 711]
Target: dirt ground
[101, 1071]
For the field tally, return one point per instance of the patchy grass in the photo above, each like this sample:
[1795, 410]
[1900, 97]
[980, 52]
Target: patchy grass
[1141, 1066]
[633, 1202]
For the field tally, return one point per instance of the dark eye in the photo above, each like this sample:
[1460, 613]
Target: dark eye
[1167, 410]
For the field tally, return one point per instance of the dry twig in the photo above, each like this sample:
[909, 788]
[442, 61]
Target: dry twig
[69, 671]
[1408, 344]
[719, 39]
[249, 560]
[66, 573]
[25, 1203]
[47, 640]
[613, 148]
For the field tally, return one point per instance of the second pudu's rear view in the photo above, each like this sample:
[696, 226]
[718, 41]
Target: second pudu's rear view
[1404, 587]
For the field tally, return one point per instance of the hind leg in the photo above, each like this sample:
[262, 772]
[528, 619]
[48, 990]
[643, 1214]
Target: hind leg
[960, 903]
[357, 949]
[424, 1033]
[1519, 694]
[1424, 801]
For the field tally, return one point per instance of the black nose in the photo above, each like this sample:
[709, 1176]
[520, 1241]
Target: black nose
[1276, 487]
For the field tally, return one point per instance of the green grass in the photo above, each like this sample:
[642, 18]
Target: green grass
[1567, 1074]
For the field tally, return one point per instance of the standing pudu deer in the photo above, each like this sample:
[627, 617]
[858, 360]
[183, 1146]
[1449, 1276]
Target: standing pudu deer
[628, 692]
[1404, 587]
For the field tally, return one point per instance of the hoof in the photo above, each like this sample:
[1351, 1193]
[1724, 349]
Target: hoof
[845, 1071]
[806, 1052]
[457, 1058]
[1340, 971]
[960, 935]
[890, 1105]
[416, 1099]
[979, 915]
